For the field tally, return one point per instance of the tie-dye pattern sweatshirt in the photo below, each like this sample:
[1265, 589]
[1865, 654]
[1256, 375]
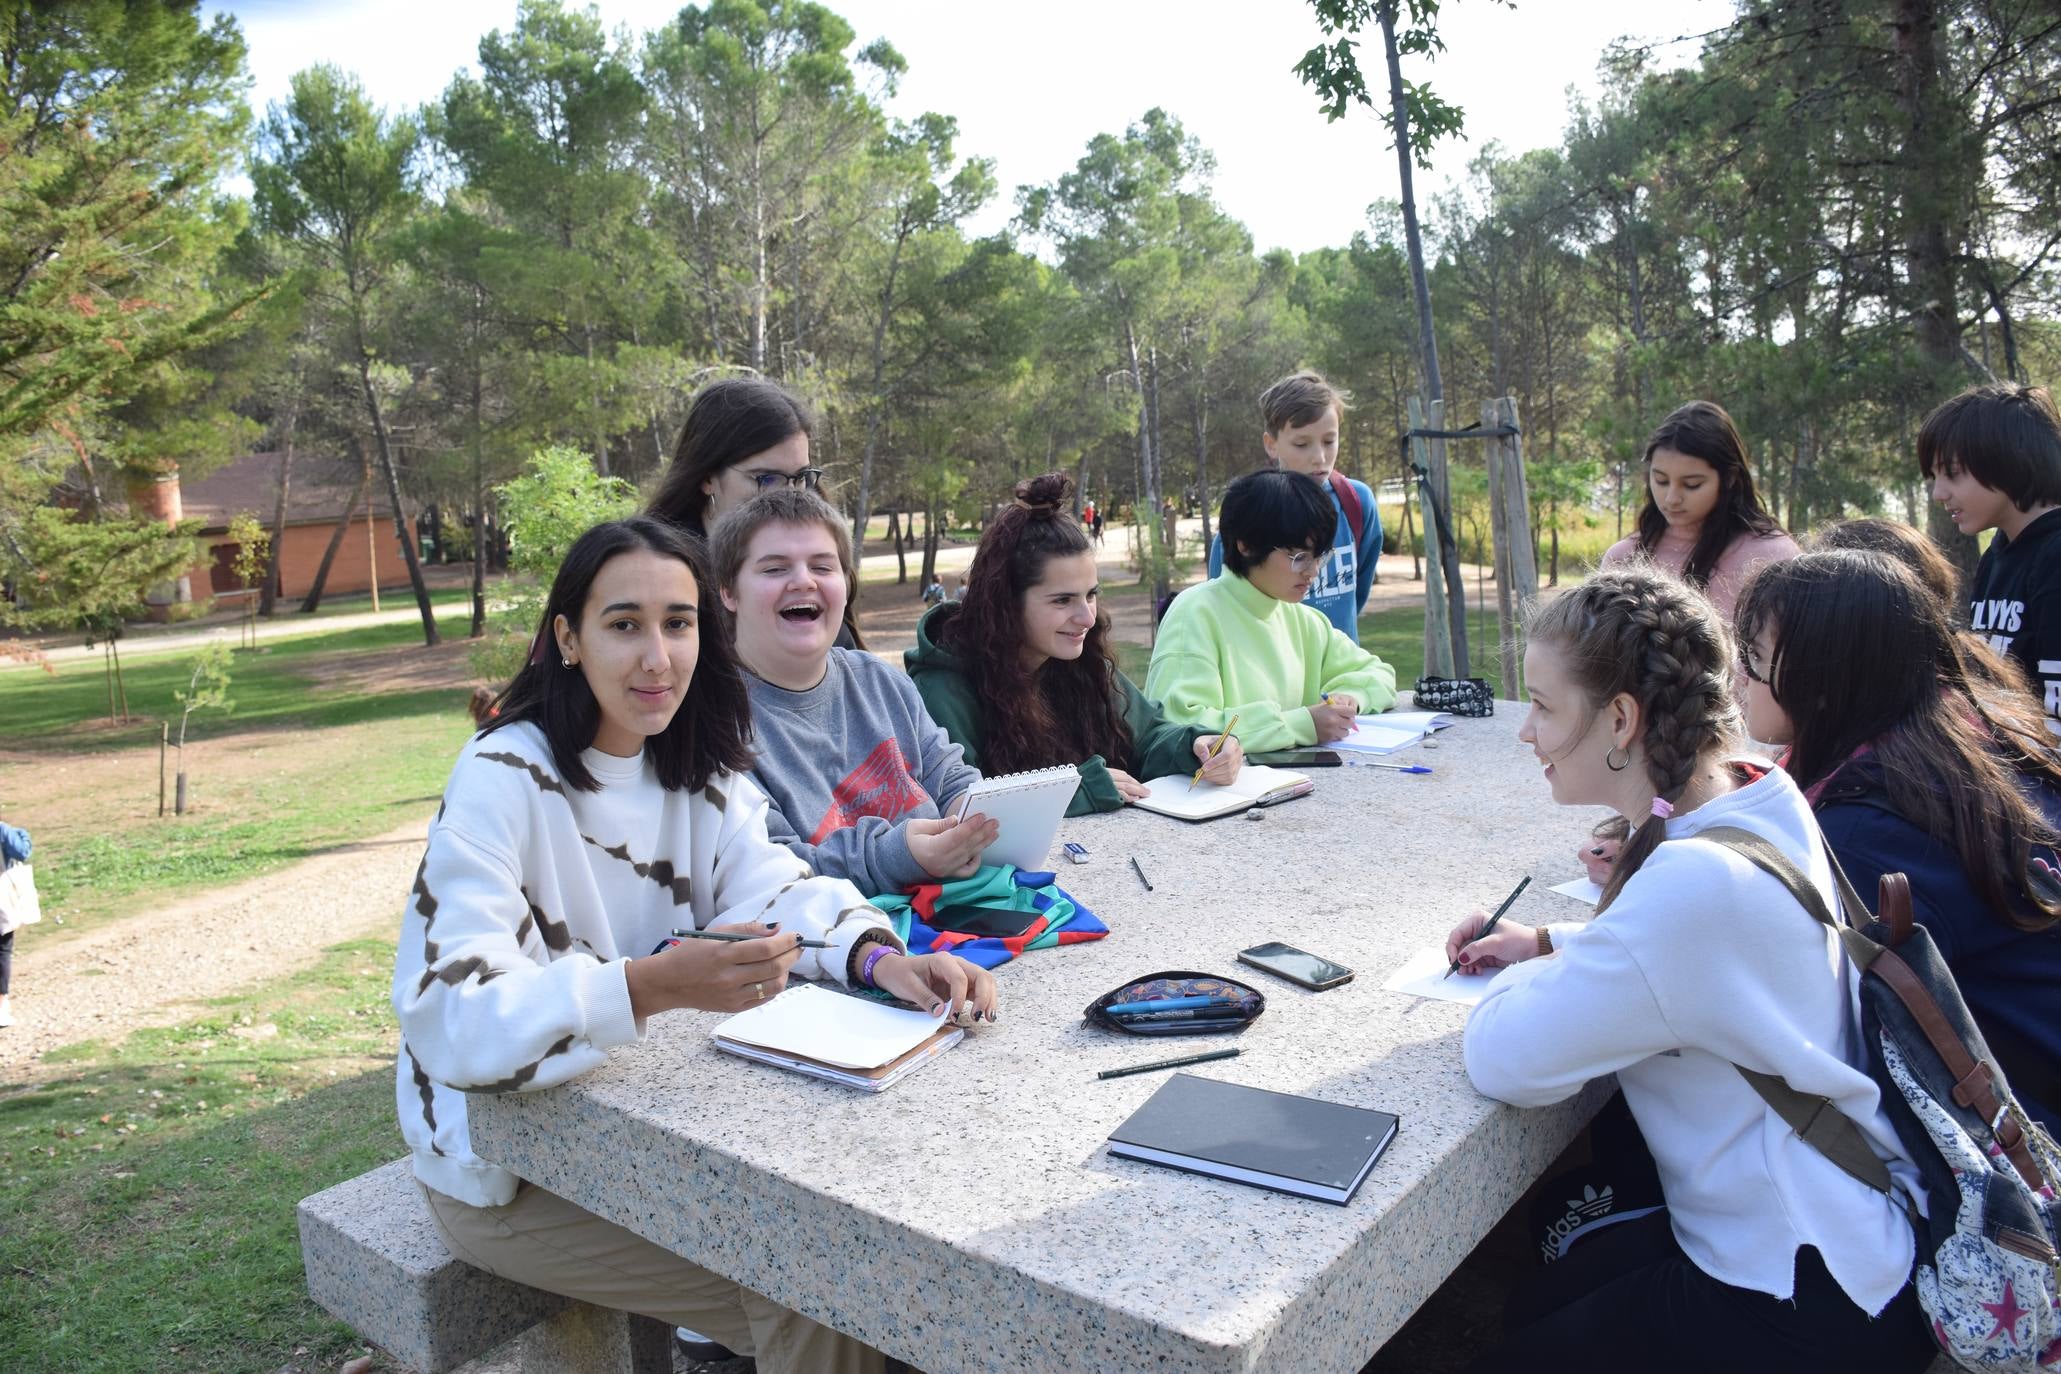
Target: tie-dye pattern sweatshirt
[533, 896]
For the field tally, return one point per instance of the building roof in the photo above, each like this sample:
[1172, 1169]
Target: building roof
[251, 483]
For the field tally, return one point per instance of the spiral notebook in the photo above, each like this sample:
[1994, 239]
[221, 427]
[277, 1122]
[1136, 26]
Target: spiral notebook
[1030, 807]
[842, 1039]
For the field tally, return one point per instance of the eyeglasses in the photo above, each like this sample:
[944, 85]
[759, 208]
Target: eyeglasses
[1746, 665]
[1304, 561]
[766, 481]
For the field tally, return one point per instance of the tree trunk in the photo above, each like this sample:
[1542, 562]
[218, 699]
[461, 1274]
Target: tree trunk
[430, 637]
[336, 538]
[268, 598]
[1201, 412]
[1434, 384]
[479, 509]
[1932, 238]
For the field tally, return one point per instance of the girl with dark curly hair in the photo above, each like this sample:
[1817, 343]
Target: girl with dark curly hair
[1020, 675]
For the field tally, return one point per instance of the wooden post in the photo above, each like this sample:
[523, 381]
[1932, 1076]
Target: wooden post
[164, 740]
[1517, 573]
[1438, 630]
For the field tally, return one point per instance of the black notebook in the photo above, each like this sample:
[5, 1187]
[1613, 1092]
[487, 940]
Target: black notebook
[1291, 1144]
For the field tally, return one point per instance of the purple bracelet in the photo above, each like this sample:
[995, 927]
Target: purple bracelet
[880, 951]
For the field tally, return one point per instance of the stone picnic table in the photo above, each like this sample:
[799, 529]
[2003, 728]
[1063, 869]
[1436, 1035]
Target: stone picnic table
[971, 1218]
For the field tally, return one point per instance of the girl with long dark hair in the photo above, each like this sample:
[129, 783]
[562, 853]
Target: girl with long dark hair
[606, 804]
[1020, 675]
[743, 436]
[1767, 1255]
[1702, 519]
[1917, 763]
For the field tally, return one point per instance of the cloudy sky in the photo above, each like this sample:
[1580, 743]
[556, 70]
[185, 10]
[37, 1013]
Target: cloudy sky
[1031, 85]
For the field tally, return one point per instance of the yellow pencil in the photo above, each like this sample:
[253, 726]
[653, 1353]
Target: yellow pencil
[1229, 726]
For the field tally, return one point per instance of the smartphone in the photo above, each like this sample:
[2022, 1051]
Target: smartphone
[1298, 758]
[1296, 965]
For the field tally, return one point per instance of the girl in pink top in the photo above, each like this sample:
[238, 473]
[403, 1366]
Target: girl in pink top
[1702, 519]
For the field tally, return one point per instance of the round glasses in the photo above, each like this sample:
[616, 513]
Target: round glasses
[1304, 561]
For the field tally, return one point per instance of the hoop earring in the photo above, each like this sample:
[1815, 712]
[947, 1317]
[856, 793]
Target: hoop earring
[1614, 766]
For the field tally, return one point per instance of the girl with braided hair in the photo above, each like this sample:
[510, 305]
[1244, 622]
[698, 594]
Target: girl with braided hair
[1020, 674]
[1766, 1256]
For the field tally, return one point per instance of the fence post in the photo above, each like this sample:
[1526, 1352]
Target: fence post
[1438, 631]
[1517, 571]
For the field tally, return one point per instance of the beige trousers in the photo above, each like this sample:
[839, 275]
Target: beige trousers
[542, 1240]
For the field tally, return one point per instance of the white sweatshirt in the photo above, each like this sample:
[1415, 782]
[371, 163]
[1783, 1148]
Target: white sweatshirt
[531, 899]
[1703, 962]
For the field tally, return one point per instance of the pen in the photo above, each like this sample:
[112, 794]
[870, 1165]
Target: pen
[965, 803]
[1229, 726]
[1182, 1062]
[1170, 1004]
[1398, 767]
[1214, 1016]
[735, 935]
[1141, 873]
[1490, 924]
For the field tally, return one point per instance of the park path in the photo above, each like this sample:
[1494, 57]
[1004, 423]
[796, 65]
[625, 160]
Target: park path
[152, 968]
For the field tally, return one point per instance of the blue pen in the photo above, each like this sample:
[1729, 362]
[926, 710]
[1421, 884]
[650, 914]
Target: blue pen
[1397, 767]
[1170, 1004]
[1228, 1014]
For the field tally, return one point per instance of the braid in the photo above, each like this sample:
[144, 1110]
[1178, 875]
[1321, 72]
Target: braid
[1644, 633]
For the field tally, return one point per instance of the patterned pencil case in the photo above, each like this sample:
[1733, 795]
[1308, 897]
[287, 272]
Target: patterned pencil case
[1210, 1005]
[1456, 696]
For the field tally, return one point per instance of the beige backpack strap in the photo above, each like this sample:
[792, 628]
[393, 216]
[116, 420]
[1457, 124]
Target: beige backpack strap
[1821, 1125]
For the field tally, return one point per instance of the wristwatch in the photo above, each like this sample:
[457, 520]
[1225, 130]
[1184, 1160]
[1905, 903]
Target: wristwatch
[1545, 942]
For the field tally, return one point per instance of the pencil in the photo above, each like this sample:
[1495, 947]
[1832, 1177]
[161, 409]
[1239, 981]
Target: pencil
[1217, 749]
[737, 935]
[1182, 1062]
[1490, 924]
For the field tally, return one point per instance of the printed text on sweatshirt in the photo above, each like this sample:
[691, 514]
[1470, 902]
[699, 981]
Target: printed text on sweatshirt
[2015, 603]
[531, 899]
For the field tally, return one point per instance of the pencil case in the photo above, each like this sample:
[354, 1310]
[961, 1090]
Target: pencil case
[1154, 987]
[1456, 696]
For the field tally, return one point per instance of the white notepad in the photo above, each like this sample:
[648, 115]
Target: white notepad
[1581, 889]
[1030, 807]
[1390, 731]
[826, 1034]
[1423, 975]
[1256, 785]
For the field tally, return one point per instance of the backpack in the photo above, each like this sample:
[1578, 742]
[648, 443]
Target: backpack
[1349, 502]
[1988, 1272]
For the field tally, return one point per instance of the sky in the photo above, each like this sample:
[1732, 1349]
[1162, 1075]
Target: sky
[1030, 85]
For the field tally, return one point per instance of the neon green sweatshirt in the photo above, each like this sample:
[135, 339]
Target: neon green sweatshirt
[1227, 647]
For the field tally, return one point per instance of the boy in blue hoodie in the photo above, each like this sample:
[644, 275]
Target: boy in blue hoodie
[1302, 415]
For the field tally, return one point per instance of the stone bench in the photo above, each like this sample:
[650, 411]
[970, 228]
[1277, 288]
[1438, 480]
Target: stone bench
[375, 1262]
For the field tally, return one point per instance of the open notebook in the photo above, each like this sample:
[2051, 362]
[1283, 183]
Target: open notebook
[830, 1035]
[1030, 807]
[1256, 785]
[1390, 731]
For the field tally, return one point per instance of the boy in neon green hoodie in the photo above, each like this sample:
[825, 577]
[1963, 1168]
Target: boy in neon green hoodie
[1244, 644]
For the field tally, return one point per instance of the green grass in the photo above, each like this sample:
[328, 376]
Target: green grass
[268, 685]
[377, 777]
[147, 1193]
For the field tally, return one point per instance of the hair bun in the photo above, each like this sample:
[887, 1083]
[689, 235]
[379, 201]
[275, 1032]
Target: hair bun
[1048, 494]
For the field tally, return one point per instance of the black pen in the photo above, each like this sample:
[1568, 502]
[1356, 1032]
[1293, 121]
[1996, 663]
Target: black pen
[735, 935]
[1490, 924]
[1141, 873]
[1180, 1063]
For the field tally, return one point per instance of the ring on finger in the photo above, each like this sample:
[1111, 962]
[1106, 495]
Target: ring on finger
[758, 992]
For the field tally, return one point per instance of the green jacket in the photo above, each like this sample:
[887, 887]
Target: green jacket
[1158, 746]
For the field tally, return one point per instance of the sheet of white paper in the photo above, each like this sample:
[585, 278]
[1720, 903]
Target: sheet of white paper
[1423, 975]
[1390, 731]
[852, 1032]
[1581, 889]
[1178, 794]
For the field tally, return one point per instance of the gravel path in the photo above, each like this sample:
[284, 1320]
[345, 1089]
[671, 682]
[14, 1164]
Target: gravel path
[149, 969]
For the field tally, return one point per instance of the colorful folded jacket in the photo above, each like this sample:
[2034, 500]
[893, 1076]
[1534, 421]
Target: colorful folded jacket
[991, 917]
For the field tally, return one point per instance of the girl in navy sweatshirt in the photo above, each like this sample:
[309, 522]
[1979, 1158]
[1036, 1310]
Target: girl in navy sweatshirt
[1927, 770]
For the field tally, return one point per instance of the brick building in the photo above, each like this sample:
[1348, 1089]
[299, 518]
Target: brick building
[313, 507]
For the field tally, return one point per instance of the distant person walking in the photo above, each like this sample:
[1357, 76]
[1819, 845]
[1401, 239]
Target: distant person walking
[18, 905]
